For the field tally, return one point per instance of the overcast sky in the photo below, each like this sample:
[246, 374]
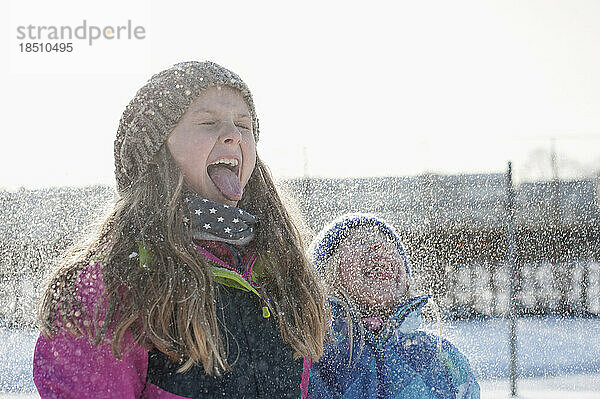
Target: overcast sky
[361, 89]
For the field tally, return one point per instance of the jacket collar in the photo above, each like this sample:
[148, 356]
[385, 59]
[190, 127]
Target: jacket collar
[230, 276]
[405, 319]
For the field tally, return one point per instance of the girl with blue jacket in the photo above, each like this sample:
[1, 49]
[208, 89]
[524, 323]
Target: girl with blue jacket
[377, 349]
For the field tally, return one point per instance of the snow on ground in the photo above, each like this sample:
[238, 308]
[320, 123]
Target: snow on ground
[16, 359]
[585, 386]
[564, 387]
[547, 346]
[558, 358]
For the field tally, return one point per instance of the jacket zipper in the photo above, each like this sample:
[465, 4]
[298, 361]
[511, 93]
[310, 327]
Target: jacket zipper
[379, 370]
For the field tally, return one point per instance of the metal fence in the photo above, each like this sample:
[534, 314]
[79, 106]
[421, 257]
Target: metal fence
[453, 226]
[571, 288]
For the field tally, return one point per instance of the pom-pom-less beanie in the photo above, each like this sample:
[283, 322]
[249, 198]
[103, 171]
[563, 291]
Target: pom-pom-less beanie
[157, 108]
[329, 238]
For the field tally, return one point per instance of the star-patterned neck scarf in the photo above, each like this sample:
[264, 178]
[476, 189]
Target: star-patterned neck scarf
[218, 222]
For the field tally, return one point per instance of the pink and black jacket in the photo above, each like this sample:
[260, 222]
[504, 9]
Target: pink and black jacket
[262, 364]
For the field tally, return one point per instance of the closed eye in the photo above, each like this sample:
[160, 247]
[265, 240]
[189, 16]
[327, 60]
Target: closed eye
[242, 126]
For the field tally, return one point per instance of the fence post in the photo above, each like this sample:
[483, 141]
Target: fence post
[512, 264]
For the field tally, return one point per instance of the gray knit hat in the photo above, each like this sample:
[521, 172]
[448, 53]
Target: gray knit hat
[157, 108]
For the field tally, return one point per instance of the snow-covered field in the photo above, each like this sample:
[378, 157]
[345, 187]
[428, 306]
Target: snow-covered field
[547, 346]
[558, 358]
[565, 387]
[579, 386]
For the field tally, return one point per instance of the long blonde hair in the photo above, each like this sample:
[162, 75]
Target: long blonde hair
[169, 305]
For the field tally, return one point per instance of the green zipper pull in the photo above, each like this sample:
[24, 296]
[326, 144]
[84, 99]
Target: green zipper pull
[266, 312]
[144, 255]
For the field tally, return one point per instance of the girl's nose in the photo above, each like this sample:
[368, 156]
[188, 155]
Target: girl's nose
[230, 134]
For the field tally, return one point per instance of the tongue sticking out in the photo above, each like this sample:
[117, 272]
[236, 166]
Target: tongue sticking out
[226, 181]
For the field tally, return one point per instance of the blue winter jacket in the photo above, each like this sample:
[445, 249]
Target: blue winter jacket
[398, 362]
